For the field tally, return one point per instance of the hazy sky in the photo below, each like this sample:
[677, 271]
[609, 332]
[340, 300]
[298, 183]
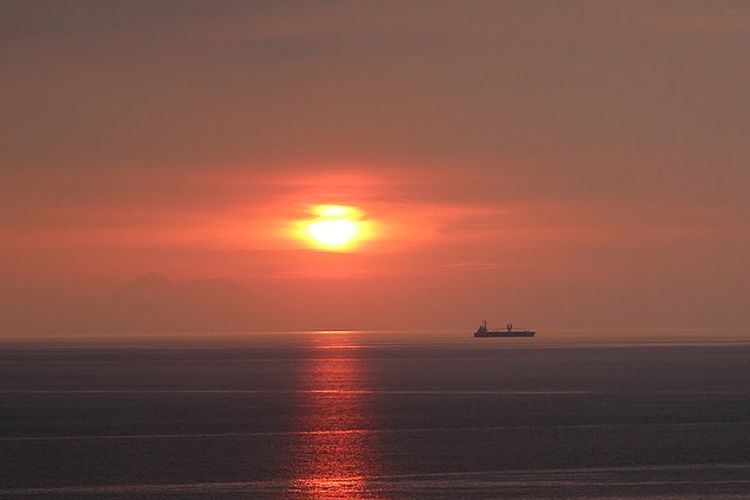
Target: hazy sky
[557, 163]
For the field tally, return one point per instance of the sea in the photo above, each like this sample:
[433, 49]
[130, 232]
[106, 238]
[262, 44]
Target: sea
[365, 414]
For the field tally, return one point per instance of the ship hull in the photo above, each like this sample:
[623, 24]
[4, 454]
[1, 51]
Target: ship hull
[520, 333]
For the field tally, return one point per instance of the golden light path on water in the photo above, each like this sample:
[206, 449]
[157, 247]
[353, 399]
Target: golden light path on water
[330, 463]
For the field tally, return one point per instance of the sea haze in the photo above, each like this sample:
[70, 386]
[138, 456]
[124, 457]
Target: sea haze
[377, 414]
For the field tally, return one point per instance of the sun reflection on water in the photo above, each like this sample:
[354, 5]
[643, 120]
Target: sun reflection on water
[331, 463]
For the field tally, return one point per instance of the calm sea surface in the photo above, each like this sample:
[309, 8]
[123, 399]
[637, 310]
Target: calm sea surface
[377, 415]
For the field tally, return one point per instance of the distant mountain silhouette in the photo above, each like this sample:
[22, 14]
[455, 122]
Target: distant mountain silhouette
[154, 304]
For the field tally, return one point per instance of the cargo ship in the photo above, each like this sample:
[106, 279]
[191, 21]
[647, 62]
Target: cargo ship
[483, 331]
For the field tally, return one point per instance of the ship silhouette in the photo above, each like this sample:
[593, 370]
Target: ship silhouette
[483, 331]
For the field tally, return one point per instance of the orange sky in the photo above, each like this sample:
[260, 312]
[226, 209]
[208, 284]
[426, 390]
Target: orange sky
[557, 164]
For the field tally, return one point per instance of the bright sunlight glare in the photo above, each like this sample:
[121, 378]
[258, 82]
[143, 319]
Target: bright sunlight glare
[333, 232]
[335, 228]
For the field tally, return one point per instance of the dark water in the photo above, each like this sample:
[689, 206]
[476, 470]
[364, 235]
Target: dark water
[375, 415]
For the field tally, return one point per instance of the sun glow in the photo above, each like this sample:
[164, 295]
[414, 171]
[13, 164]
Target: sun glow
[334, 228]
[333, 232]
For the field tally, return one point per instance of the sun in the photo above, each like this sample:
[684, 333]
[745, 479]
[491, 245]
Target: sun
[333, 233]
[337, 228]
